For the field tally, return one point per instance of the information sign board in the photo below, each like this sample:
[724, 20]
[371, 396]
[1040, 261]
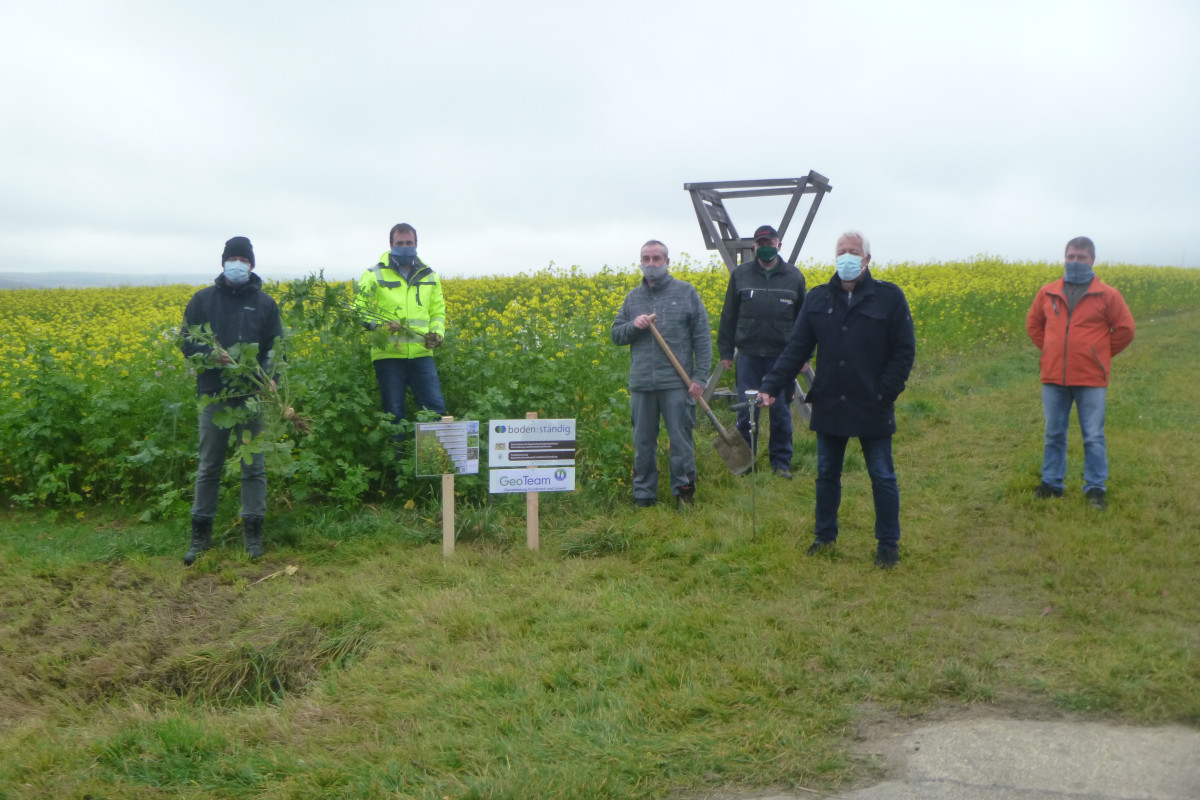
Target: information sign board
[532, 479]
[531, 443]
[447, 447]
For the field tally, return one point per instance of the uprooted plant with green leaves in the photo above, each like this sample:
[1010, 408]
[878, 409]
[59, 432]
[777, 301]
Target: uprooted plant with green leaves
[313, 303]
[251, 391]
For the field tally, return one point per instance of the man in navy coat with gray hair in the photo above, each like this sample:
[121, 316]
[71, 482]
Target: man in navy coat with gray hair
[862, 332]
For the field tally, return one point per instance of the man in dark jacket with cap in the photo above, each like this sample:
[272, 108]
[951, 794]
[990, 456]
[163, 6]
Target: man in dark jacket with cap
[235, 311]
[862, 331]
[761, 303]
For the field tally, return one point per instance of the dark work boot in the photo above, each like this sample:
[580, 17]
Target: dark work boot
[201, 540]
[252, 536]
[686, 497]
[1044, 491]
[887, 556]
[818, 547]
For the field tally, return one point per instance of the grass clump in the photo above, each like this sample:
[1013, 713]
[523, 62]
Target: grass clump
[591, 541]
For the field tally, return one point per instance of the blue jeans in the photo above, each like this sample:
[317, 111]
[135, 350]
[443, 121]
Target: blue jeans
[750, 372]
[1089, 405]
[213, 443]
[877, 452]
[397, 375]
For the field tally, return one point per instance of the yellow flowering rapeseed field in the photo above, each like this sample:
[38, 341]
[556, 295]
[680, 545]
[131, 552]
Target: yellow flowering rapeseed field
[97, 403]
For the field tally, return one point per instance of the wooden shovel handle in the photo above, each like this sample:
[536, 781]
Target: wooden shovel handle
[687, 381]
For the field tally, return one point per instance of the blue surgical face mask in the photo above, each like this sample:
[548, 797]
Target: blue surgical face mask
[1078, 272]
[405, 256]
[237, 272]
[849, 266]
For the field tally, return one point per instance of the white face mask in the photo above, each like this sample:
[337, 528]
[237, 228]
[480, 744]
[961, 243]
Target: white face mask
[237, 272]
[849, 266]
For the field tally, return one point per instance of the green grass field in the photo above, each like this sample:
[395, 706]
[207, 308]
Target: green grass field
[637, 654]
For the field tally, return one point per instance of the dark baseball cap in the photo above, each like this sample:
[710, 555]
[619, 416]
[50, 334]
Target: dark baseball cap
[766, 232]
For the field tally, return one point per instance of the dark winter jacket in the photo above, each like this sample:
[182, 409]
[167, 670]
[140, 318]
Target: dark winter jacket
[683, 323]
[865, 350]
[760, 308]
[236, 314]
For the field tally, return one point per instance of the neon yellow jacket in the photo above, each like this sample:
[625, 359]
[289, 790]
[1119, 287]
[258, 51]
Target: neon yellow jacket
[415, 303]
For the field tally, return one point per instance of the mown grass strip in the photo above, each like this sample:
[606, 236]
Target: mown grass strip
[639, 654]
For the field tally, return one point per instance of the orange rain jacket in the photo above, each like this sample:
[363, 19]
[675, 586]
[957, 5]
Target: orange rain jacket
[1078, 344]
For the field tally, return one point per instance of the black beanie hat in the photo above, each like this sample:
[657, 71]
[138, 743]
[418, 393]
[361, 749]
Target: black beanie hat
[238, 246]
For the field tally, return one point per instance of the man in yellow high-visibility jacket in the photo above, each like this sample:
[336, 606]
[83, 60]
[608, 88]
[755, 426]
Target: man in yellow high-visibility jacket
[404, 296]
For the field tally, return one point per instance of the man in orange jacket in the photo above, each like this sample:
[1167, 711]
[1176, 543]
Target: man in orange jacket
[1079, 323]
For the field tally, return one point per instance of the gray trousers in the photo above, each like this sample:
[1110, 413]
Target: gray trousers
[213, 443]
[678, 413]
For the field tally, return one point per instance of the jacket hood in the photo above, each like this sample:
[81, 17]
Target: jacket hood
[385, 261]
[225, 286]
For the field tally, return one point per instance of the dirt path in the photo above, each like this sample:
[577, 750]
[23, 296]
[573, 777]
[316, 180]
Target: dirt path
[980, 757]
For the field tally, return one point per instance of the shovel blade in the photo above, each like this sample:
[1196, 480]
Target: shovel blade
[802, 411]
[734, 452]
[801, 414]
[713, 380]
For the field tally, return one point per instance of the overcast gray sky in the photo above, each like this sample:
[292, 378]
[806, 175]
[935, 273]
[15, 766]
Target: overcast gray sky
[138, 136]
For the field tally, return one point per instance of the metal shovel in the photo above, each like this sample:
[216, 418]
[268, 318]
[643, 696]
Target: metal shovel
[713, 379]
[802, 411]
[729, 444]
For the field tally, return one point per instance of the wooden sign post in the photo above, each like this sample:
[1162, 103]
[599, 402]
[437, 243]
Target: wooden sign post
[448, 509]
[534, 455]
[447, 448]
[531, 509]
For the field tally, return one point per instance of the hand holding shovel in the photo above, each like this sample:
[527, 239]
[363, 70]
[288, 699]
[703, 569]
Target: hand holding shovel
[729, 444]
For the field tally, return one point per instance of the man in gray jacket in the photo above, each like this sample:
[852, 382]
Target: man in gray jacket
[655, 388]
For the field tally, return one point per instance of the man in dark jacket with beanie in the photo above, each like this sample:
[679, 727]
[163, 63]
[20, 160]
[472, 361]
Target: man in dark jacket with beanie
[762, 300]
[235, 311]
[862, 331]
